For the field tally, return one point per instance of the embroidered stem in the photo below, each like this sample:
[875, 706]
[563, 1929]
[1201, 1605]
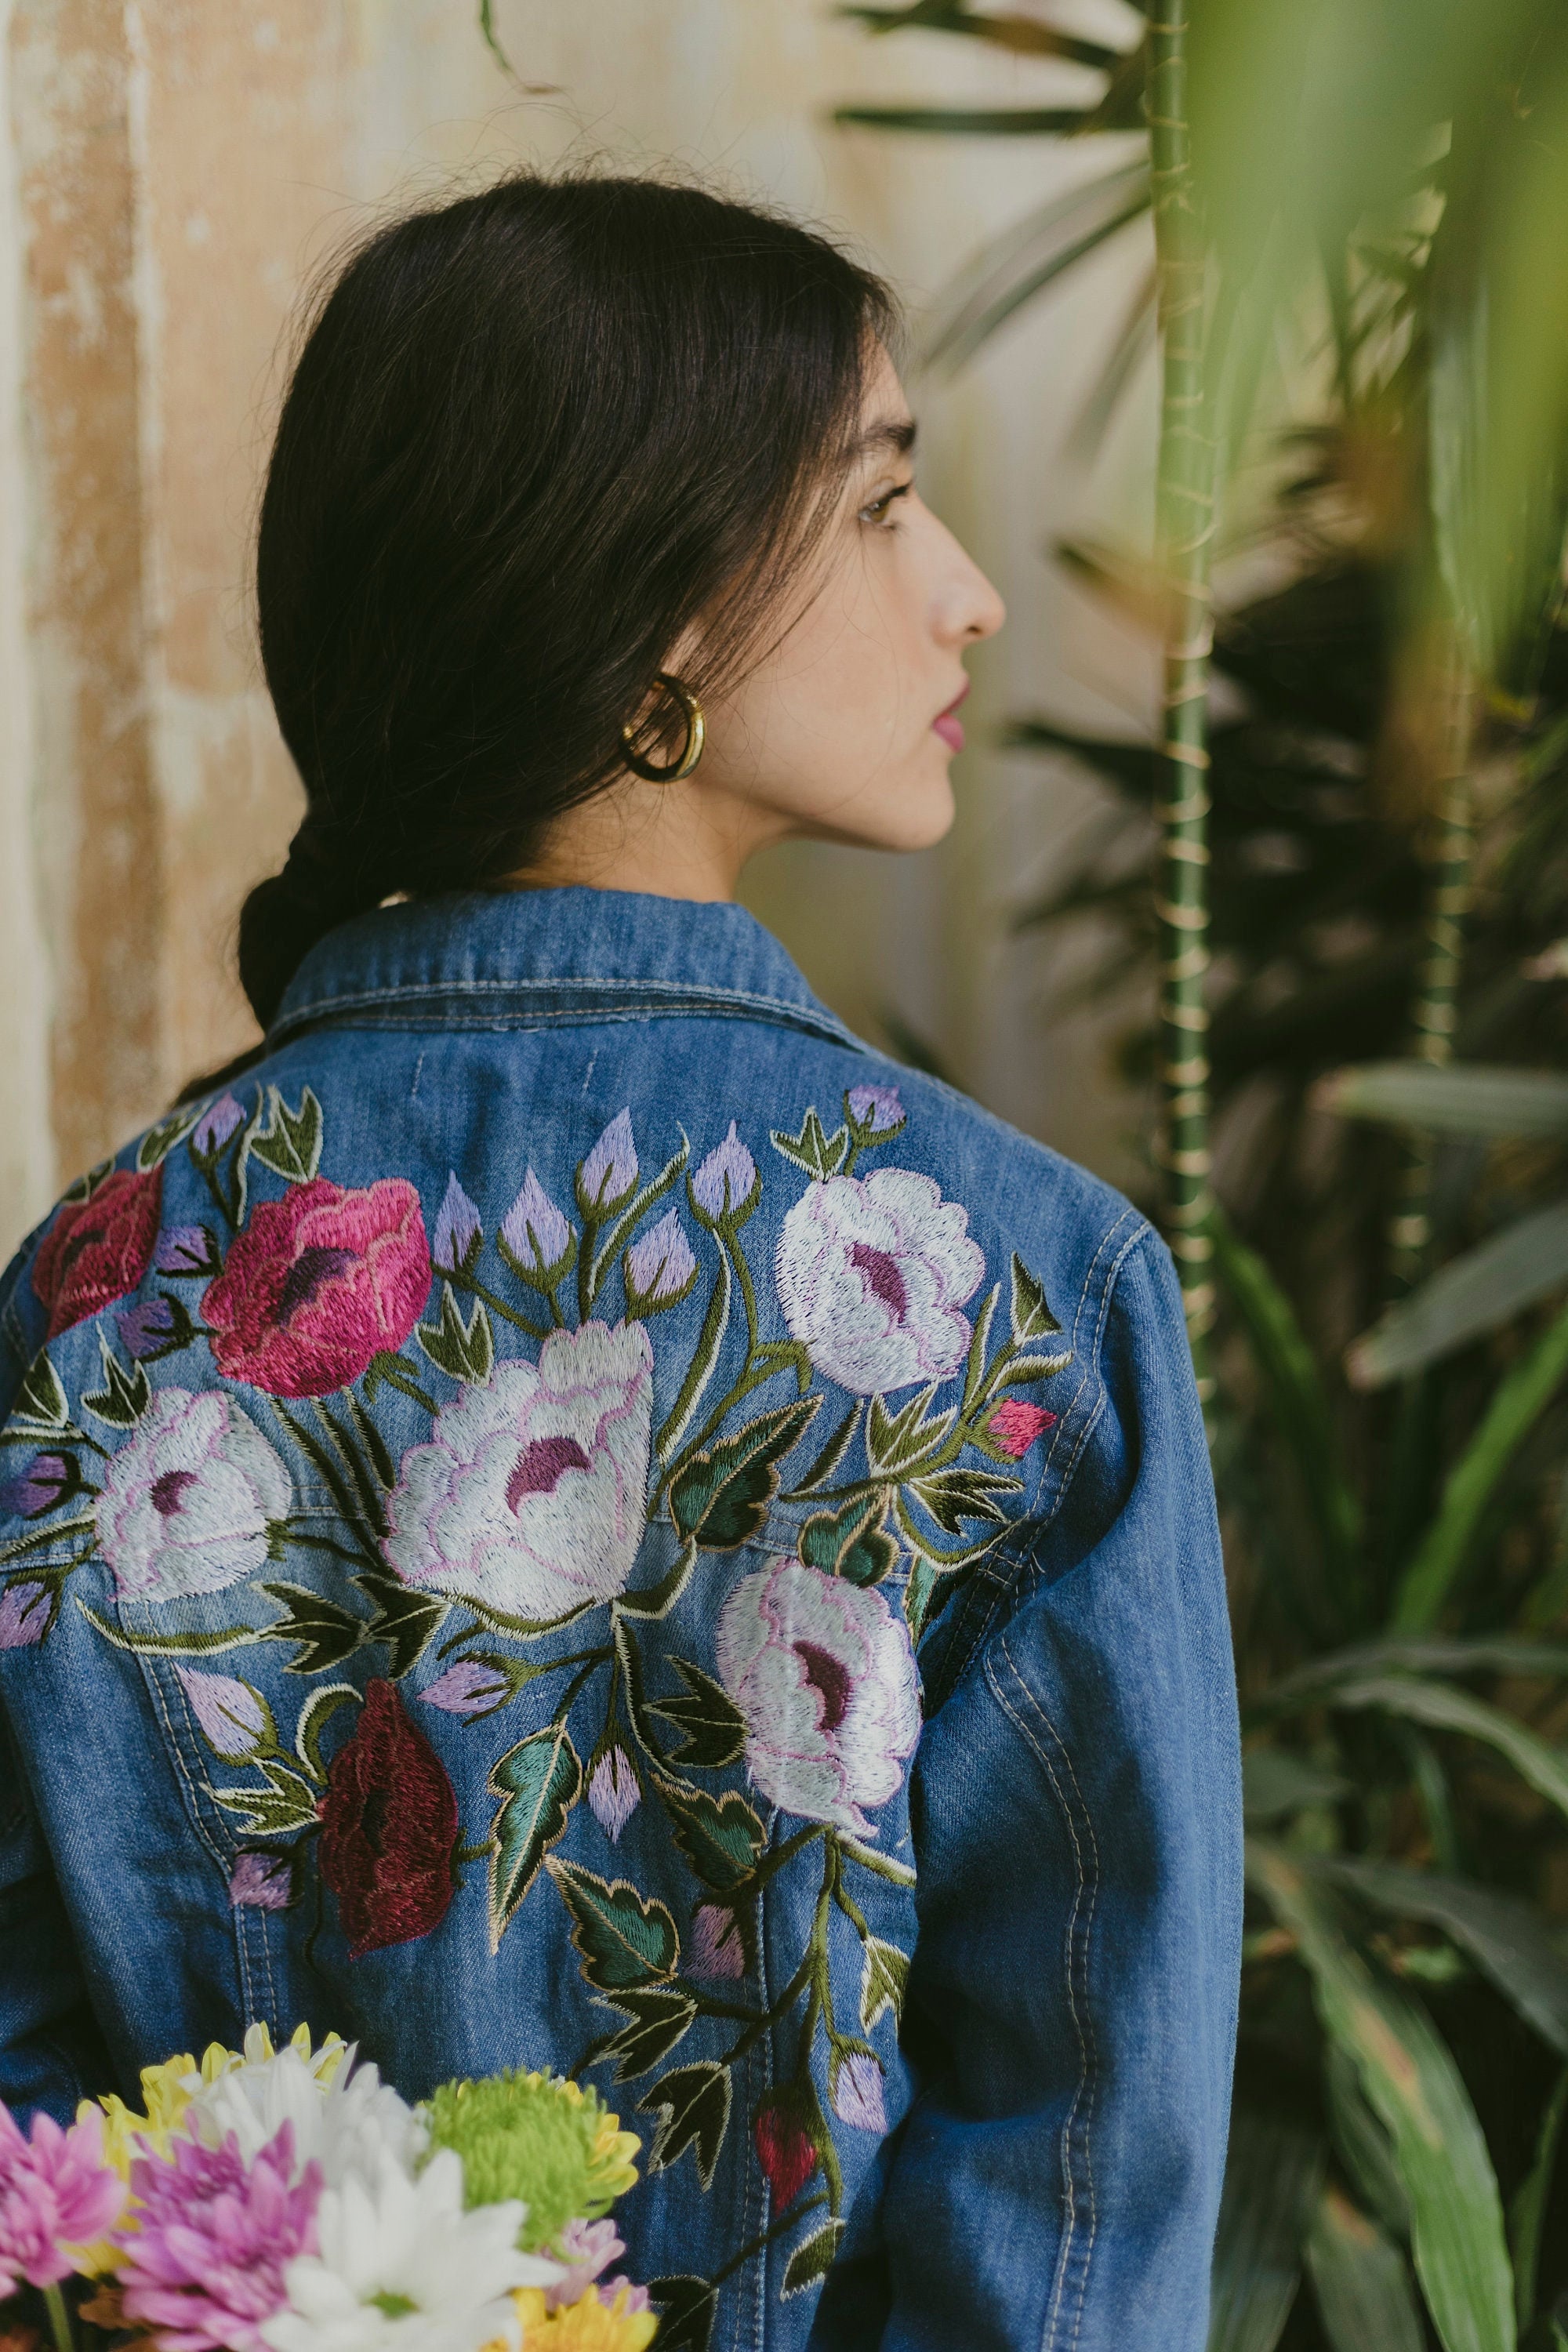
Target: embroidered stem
[498, 1305]
[796, 2211]
[397, 1374]
[701, 1369]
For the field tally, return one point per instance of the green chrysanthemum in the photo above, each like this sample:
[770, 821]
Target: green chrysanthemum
[539, 2138]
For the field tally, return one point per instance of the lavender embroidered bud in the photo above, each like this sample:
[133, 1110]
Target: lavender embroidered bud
[659, 1268]
[148, 1328]
[614, 1794]
[48, 1479]
[261, 1882]
[876, 1109]
[216, 1125]
[857, 2093]
[458, 1231]
[23, 1614]
[725, 1185]
[469, 1687]
[716, 1950]
[535, 1235]
[607, 1175]
[232, 1717]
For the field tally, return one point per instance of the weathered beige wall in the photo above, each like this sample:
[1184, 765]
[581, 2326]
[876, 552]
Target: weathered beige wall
[176, 171]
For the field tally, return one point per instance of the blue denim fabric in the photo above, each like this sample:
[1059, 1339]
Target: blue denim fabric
[508, 1664]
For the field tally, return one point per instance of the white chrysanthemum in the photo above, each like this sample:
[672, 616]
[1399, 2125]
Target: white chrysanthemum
[402, 2268]
[351, 2124]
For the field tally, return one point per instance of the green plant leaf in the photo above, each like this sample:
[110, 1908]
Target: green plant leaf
[959, 1494]
[1486, 1653]
[895, 1442]
[326, 1633]
[464, 1351]
[1275, 1782]
[1032, 1318]
[1361, 2282]
[1527, 2216]
[1298, 1405]
[124, 1396]
[884, 1980]
[622, 1938]
[41, 1402]
[967, 121]
[1517, 1404]
[1479, 1292]
[1413, 2087]
[405, 1619]
[1271, 2178]
[654, 2018]
[538, 1782]
[820, 1154]
[713, 1728]
[1444, 1708]
[686, 2307]
[722, 1498]
[813, 2258]
[692, 2105]
[1463, 1099]
[1022, 36]
[852, 1542]
[1362, 2145]
[1508, 1939]
[291, 1142]
[720, 1836]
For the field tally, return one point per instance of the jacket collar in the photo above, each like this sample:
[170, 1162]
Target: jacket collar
[505, 958]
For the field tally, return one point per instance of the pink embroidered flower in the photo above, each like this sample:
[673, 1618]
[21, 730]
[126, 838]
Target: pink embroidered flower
[824, 1674]
[389, 1829]
[24, 1613]
[857, 2093]
[97, 1250]
[204, 2263]
[871, 1275]
[189, 1502]
[784, 2151]
[614, 1794]
[529, 1496]
[1014, 1425]
[716, 1950]
[56, 2190]
[317, 1284]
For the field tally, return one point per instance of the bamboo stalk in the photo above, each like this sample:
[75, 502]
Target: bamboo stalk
[1186, 531]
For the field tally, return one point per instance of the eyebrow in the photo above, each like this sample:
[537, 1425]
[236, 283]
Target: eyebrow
[894, 434]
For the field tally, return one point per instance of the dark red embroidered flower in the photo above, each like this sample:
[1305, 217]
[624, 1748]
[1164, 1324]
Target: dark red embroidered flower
[785, 2150]
[317, 1284]
[389, 1826]
[97, 1250]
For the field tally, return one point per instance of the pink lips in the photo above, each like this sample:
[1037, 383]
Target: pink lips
[949, 725]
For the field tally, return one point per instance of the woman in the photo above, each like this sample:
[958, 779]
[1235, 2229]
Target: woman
[486, 1467]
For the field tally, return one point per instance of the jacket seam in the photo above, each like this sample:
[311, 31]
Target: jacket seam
[1086, 1891]
[224, 1864]
[602, 999]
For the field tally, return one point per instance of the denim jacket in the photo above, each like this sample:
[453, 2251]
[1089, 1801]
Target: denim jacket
[580, 1516]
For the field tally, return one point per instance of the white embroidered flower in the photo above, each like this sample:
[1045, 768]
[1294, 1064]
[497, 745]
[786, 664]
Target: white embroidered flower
[402, 2268]
[871, 1274]
[824, 1674]
[529, 1496]
[344, 2117]
[188, 1500]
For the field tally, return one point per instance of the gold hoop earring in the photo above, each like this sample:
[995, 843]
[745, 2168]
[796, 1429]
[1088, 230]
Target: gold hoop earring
[638, 762]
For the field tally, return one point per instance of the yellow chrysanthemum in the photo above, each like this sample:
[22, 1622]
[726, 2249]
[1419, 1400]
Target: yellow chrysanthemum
[588, 2326]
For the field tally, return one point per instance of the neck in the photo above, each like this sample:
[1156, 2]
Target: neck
[674, 841]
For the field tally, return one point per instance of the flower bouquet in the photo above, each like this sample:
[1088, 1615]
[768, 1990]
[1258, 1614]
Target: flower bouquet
[288, 2200]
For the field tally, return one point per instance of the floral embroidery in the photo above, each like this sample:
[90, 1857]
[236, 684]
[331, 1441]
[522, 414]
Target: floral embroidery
[317, 1283]
[540, 1491]
[824, 1677]
[188, 1503]
[389, 1829]
[871, 1276]
[98, 1248]
[529, 1498]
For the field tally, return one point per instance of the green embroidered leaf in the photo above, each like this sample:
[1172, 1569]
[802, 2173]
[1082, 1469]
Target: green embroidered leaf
[621, 1939]
[654, 2019]
[722, 1497]
[819, 1153]
[286, 1804]
[314, 1716]
[657, 1600]
[712, 1728]
[85, 1186]
[125, 1395]
[538, 1782]
[291, 1142]
[160, 1140]
[812, 2258]
[896, 1442]
[1031, 1318]
[372, 1443]
[326, 1633]
[720, 1836]
[852, 1543]
[693, 2108]
[685, 2307]
[1022, 1370]
[951, 1496]
[883, 1982]
[463, 1351]
[40, 1538]
[41, 1402]
[837, 1446]
[406, 1620]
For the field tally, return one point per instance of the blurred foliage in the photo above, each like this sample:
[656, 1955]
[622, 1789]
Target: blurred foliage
[1385, 182]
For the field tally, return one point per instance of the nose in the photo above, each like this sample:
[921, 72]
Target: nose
[966, 606]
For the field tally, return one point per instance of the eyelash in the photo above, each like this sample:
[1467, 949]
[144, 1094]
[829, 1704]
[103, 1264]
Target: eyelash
[877, 513]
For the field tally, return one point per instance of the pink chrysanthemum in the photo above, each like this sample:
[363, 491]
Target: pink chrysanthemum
[204, 2263]
[56, 2190]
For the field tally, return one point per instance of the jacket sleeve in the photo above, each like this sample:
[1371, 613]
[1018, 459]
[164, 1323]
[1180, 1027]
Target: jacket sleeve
[51, 2051]
[1072, 2000]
